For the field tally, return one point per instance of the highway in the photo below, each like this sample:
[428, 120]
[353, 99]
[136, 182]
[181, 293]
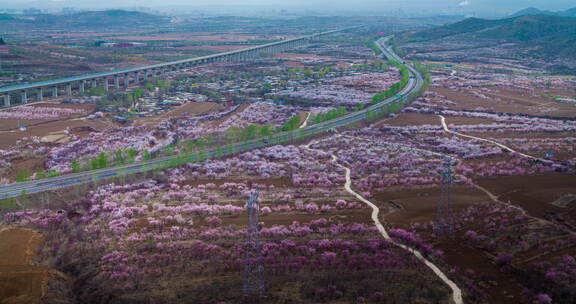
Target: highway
[411, 90]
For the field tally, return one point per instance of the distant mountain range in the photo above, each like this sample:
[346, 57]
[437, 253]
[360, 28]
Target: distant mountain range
[540, 35]
[93, 19]
[534, 11]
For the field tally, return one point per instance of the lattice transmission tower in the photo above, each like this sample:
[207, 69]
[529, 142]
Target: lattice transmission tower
[253, 268]
[445, 217]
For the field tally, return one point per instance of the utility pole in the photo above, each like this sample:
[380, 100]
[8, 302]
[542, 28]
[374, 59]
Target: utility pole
[445, 217]
[253, 268]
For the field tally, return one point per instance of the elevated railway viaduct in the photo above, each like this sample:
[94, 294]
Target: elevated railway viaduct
[123, 78]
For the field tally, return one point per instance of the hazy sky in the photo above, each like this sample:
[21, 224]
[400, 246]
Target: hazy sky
[496, 7]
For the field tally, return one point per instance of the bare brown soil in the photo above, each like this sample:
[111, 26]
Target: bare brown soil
[501, 287]
[21, 281]
[511, 101]
[189, 109]
[559, 92]
[535, 193]
[223, 119]
[419, 204]
[11, 124]
[32, 164]
[9, 138]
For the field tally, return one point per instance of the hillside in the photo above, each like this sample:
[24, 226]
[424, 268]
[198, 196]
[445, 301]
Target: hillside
[109, 18]
[539, 35]
[91, 19]
[534, 11]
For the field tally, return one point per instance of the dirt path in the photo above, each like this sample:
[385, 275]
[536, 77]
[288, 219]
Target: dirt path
[305, 123]
[456, 291]
[445, 126]
[495, 197]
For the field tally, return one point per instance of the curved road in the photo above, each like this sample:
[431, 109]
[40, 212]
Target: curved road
[415, 83]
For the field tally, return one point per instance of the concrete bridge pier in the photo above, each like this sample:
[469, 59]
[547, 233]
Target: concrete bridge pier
[55, 92]
[40, 94]
[82, 87]
[94, 83]
[69, 89]
[116, 82]
[24, 97]
[7, 100]
[106, 84]
[126, 80]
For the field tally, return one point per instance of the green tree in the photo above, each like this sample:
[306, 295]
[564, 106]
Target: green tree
[75, 166]
[131, 154]
[102, 160]
[96, 92]
[23, 175]
[53, 173]
[265, 130]
[93, 163]
[169, 150]
[291, 124]
[146, 155]
[119, 157]
[138, 93]
[249, 132]
[40, 175]
[23, 196]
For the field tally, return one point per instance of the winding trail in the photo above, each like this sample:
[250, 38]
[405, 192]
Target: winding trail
[445, 126]
[456, 291]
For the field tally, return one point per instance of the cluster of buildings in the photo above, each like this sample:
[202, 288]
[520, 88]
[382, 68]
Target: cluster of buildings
[152, 105]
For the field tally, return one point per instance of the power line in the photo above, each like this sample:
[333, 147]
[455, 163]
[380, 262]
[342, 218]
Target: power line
[445, 217]
[253, 268]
